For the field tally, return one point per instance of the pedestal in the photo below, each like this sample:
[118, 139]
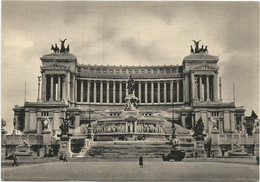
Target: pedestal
[200, 149]
[131, 102]
[65, 147]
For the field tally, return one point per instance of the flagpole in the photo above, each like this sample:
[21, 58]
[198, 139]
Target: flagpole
[234, 93]
[25, 92]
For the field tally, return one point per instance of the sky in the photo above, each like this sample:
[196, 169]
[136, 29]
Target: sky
[129, 33]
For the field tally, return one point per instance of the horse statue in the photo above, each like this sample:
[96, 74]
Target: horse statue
[191, 50]
[55, 49]
[68, 48]
[206, 50]
[201, 49]
[62, 49]
[196, 46]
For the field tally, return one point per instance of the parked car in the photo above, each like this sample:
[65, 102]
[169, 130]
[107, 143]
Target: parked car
[176, 154]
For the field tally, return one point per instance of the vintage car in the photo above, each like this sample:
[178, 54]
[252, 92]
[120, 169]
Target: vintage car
[176, 154]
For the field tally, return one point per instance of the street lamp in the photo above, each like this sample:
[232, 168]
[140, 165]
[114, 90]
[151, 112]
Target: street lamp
[89, 114]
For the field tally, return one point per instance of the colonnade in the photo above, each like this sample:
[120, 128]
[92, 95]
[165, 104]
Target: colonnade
[56, 87]
[147, 91]
[204, 87]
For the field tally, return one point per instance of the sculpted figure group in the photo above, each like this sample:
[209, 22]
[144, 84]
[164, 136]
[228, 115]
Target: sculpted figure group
[56, 49]
[198, 50]
[121, 128]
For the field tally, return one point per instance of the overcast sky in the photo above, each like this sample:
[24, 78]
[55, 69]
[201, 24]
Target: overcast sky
[130, 33]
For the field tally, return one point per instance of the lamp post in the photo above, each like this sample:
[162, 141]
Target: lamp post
[89, 114]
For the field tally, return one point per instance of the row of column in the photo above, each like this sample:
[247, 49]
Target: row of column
[126, 91]
[58, 87]
[197, 91]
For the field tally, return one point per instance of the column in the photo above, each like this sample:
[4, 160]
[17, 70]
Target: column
[165, 96]
[43, 87]
[114, 92]
[51, 99]
[95, 91]
[193, 86]
[81, 90]
[220, 91]
[139, 91]
[200, 86]
[75, 90]
[63, 90]
[88, 92]
[215, 87]
[152, 92]
[187, 90]
[196, 89]
[58, 94]
[26, 121]
[68, 85]
[145, 92]
[126, 127]
[159, 89]
[207, 80]
[73, 87]
[120, 92]
[101, 91]
[183, 122]
[171, 91]
[39, 127]
[178, 91]
[183, 90]
[107, 91]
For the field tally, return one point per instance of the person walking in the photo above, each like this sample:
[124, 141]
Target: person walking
[65, 158]
[257, 160]
[141, 162]
[15, 160]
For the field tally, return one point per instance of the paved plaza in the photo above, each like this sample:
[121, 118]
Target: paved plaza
[129, 170]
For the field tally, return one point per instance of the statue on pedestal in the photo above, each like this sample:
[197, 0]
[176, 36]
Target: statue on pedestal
[131, 85]
[196, 46]
[62, 49]
[131, 100]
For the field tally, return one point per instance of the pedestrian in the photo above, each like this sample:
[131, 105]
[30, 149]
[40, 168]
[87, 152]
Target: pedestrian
[61, 157]
[196, 154]
[15, 160]
[141, 162]
[213, 155]
[257, 160]
[65, 158]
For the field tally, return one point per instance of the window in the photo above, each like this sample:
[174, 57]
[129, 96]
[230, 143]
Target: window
[142, 71]
[117, 71]
[98, 70]
[215, 113]
[130, 71]
[123, 71]
[92, 70]
[45, 113]
[136, 71]
[111, 71]
[149, 71]
[104, 70]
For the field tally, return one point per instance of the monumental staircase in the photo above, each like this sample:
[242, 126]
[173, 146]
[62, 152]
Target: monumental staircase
[133, 149]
